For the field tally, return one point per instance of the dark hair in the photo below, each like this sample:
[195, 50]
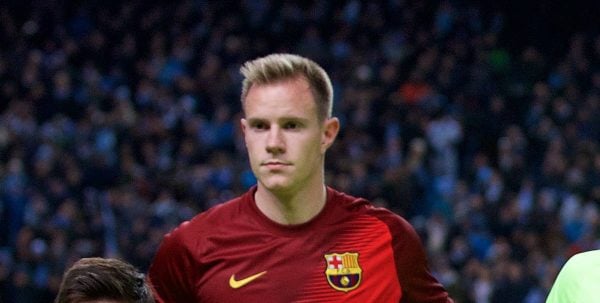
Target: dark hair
[99, 278]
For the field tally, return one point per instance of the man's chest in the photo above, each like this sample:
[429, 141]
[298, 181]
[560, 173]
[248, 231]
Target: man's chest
[347, 264]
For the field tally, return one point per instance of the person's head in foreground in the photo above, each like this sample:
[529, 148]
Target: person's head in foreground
[100, 280]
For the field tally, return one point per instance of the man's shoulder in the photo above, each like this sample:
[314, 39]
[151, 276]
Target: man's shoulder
[361, 206]
[191, 239]
[215, 218]
[578, 279]
[584, 261]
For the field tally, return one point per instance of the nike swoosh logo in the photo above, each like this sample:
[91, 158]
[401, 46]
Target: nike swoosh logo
[239, 283]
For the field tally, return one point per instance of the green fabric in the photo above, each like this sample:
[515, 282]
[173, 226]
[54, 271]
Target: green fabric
[578, 280]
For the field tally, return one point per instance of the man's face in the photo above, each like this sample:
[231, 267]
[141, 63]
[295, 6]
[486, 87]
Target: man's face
[286, 141]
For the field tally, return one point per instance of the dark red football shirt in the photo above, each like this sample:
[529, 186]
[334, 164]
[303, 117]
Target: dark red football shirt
[350, 252]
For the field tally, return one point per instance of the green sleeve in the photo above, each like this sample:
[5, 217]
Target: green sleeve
[578, 280]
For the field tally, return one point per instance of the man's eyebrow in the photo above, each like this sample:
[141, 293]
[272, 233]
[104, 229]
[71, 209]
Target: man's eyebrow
[252, 119]
[294, 118]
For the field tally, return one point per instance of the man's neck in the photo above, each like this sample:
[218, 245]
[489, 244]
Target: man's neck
[291, 209]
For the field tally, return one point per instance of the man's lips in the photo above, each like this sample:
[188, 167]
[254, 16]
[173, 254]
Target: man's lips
[275, 164]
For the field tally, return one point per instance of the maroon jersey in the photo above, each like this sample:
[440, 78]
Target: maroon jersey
[350, 252]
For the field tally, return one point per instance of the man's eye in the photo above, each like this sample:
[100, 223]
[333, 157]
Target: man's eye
[260, 126]
[291, 125]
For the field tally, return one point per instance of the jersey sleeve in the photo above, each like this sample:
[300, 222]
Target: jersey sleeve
[171, 273]
[416, 282]
[578, 280]
[563, 288]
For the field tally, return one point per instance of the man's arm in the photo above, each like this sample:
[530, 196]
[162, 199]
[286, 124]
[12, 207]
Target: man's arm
[416, 282]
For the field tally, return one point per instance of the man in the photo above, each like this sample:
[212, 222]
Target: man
[578, 280]
[290, 238]
[99, 280]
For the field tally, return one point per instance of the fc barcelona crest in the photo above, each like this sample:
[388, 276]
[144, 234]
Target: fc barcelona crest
[343, 271]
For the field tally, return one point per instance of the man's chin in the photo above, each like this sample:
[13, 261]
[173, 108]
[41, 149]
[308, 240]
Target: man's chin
[277, 186]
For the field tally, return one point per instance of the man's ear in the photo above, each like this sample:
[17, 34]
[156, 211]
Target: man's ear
[243, 125]
[331, 128]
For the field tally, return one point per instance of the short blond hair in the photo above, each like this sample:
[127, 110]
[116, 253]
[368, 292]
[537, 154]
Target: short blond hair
[278, 67]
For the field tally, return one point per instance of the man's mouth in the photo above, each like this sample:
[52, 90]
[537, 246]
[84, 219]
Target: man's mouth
[275, 164]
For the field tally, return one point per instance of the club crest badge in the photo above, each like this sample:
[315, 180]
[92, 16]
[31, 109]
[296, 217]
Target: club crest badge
[343, 271]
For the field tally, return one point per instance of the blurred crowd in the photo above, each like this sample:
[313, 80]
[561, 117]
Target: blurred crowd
[119, 120]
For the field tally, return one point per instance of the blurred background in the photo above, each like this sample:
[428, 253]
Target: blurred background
[479, 123]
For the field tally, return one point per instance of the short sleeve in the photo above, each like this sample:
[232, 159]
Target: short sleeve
[416, 281]
[171, 272]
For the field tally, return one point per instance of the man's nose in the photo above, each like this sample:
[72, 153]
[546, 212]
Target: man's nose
[275, 141]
